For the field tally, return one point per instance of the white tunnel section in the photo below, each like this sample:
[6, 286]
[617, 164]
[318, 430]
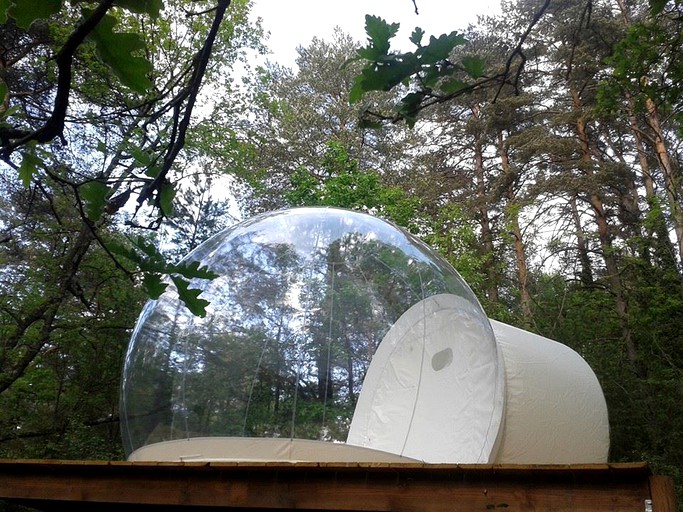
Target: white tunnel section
[434, 392]
[555, 411]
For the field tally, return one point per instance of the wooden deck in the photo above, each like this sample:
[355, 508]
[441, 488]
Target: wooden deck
[130, 486]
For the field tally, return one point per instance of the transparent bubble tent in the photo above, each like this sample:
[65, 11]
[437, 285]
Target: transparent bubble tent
[335, 336]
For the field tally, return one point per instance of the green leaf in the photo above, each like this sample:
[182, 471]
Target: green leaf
[154, 285]
[451, 85]
[141, 156]
[151, 7]
[440, 48]
[194, 270]
[142, 253]
[379, 32]
[433, 73]
[474, 66]
[3, 93]
[416, 36]
[151, 262]
[153, 171]
[412, 100]
[95, 194]
[116, 49]
[25, 12]
[385, 76]
[357, 91]
[190, 296]
[12, 111]
[369, 123]
[155, 260]
[4, 7]
[121, 250]
[166, 194]
[28, 167]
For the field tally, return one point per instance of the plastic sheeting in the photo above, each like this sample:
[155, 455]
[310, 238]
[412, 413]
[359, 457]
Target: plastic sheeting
[555, 411]
[446, 387]
[434, 389]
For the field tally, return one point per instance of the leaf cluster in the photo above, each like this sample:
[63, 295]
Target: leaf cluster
[127, 117]
[428, 73]
[154, 266]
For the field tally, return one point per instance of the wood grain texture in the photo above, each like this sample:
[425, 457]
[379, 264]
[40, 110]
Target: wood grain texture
[129, 486]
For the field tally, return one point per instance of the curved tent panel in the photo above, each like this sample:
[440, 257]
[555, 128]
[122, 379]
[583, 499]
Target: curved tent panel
[288, 363]
[555, 411]
[434, 388]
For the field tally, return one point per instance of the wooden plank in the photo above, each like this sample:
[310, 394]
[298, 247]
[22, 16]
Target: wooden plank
[662, 493]
[332, 487]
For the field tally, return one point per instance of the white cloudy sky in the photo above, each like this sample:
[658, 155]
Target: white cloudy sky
[293, 23]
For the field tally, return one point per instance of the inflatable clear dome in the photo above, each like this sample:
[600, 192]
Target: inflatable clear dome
[306, 300]
[335, 336]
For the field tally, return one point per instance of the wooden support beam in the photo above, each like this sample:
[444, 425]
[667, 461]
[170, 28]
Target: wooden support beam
[132, 486]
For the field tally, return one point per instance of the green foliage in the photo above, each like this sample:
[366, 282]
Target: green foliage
[304, 189]
[64, 403]
[153, 265]
[94, 193]
[344, 185]
[151, 7]
[454, 236]
[25, 12]
[75, 57]
[646, 63]
[306, 148]
[29, 167]
[120, 51]
[166, 194]
[428, 69]
[657, 6]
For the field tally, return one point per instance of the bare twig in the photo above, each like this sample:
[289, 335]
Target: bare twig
[189, 94]
[517, 51]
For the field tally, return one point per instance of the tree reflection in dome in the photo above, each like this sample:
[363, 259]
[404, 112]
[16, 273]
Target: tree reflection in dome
[303, 298]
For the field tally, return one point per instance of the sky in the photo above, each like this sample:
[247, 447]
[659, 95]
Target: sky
[294, 23]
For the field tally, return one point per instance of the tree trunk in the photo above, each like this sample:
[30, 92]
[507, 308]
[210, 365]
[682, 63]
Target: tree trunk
[586, 274]
[512, 214]
[612, 277]
[645, 170]
[673, 192]
[484, 219]
[670, 176]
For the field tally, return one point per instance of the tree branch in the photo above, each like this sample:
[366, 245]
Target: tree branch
[54, 126]
[518, 49]
[190, 93]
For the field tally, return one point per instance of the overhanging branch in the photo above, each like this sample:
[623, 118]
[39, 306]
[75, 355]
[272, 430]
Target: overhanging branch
[54, 126]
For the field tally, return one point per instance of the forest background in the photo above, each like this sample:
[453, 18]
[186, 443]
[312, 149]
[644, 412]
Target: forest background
[539, 151]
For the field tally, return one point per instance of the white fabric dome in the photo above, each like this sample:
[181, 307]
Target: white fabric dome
[433, 391]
